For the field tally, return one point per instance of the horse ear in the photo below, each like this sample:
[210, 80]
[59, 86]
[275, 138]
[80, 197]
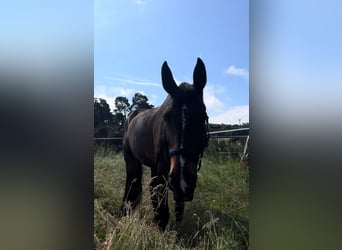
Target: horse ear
[200, 75]
[169, 83]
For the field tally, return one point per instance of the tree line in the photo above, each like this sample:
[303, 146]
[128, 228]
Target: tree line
[110, 124]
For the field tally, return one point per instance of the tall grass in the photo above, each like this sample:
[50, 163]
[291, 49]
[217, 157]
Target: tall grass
[217, 218]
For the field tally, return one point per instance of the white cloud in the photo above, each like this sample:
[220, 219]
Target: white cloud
[121, 91]
[109, 100]
[120, 86]
[110, 93]
[132, 81]
[232, 70]
[211, 101]
[153, 99]
[234, 115]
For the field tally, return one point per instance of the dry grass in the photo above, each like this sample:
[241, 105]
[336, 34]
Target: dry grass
[217, 218]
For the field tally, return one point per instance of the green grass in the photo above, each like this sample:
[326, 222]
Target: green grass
[217, 218]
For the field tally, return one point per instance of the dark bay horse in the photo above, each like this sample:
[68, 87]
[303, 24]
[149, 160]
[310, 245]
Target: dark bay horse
[170, 140]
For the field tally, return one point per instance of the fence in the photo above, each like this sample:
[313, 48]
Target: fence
[211, 134]
[224, 142]
[228, 143]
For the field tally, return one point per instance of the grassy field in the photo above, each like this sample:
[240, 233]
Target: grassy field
[217, 218]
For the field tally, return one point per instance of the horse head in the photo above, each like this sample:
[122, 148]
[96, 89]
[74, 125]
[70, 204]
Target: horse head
[186, 134]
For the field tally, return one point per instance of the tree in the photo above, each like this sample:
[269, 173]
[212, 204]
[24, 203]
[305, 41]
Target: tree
[140, 101]
[102, 114]
[121, 111]
[122, 106]
[119, 120]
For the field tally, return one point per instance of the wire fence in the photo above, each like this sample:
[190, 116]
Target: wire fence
[213, 134]
[222, 144]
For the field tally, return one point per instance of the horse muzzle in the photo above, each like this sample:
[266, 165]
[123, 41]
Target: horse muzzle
[179, 195]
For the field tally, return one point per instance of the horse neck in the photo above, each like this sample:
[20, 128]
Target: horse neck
[165, 105]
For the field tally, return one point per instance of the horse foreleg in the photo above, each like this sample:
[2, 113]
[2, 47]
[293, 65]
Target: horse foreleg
[159, 199]
[154, 191]
[179, 210]
[133, 189]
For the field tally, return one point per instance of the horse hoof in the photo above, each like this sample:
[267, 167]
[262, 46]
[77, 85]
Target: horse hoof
[162, 226]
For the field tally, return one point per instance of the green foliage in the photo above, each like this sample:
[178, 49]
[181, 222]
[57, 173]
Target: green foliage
[217, 218]
[105, 120]
[102, 114]
[219, 127]
[122, 105]
[224, 149]
[140, 101]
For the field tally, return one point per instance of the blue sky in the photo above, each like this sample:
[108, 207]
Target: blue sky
[132, 38]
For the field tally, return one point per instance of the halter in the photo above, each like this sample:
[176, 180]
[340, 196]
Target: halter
[190, 154]
[182, 151]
